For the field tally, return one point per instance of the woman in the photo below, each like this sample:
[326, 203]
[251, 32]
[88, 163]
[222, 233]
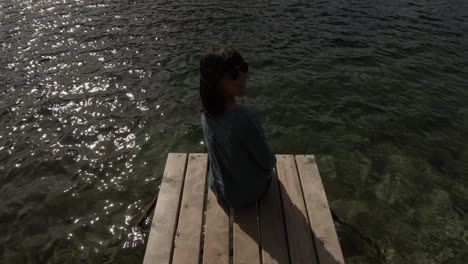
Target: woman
[240, 160]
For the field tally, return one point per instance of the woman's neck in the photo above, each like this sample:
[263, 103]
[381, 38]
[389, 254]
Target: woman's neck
[230, 104]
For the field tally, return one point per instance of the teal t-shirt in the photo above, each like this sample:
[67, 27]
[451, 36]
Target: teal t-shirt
[240, 160]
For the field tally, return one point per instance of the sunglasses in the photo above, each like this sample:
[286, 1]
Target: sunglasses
[243, 67]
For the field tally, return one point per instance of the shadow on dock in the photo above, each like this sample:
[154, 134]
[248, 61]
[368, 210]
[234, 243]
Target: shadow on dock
[321, 253]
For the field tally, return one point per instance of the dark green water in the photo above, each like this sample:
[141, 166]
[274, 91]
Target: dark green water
[94, 94]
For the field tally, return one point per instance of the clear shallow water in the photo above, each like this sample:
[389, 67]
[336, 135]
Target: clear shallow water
[93, 94]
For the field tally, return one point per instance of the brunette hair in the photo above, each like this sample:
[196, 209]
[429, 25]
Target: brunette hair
[214, 63]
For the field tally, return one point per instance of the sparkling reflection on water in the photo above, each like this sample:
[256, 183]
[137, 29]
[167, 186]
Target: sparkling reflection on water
[93, 94]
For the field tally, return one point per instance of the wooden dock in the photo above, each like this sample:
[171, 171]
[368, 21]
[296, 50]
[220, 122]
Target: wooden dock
[291, 224]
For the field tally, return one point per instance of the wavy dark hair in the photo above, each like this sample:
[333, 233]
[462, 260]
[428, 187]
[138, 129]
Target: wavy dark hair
[214, 64]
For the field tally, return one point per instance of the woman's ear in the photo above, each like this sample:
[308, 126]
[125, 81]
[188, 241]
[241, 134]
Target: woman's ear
[222, 87]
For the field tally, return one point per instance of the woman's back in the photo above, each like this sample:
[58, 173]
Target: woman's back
[241, 161]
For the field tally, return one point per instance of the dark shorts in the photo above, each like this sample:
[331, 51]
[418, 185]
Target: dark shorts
[219, 195]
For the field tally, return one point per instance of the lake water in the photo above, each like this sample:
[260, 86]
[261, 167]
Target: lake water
[94, 94]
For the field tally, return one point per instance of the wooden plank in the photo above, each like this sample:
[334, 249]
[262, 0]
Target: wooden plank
[216, 246]
[245, 237]
[271, 222]
[301, 243]
[187, 238]
[321, 222]
[160, 240]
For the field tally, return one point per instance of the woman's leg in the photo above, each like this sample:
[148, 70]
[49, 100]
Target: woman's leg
[219, 196]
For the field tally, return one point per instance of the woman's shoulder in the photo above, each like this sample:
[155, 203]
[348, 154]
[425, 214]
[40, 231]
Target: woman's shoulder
[241, 113]
[246, 111]
[249, 116]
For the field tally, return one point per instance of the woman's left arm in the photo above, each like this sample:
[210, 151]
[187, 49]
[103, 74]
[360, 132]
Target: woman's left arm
[257, 144]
